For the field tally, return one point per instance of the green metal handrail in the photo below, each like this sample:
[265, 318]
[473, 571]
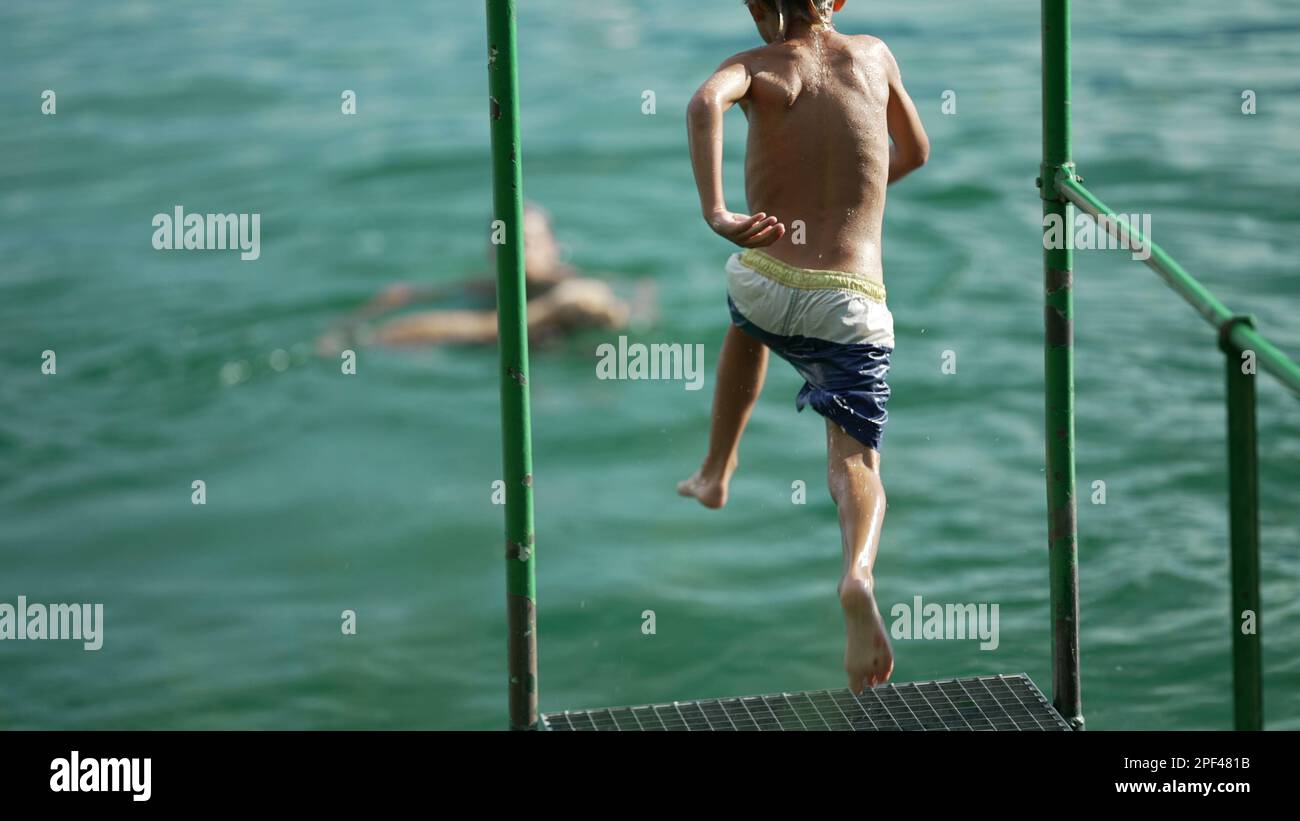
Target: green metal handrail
[1243, 335]
[1238, 338]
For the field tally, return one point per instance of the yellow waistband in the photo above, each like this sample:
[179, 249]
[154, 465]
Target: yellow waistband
[810, 278]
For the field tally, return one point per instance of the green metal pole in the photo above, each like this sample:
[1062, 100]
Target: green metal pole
[1243, 490]
[1058, 267]
[512, 329]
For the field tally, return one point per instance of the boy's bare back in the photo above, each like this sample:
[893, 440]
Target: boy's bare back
[818, 148]
[822, 109]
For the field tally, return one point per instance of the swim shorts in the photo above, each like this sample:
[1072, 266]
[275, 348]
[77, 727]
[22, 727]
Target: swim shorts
[832, 326]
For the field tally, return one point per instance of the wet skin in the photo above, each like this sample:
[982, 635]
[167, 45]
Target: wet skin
[830, 127]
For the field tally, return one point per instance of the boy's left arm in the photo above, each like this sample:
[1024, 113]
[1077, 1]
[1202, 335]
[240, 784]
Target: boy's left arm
[728, 86]
[910, 148]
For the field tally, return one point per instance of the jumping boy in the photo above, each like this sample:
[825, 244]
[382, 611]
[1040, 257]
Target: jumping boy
[830, 126]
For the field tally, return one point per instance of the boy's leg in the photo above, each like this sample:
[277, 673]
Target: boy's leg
[742, 365]
[853, 472]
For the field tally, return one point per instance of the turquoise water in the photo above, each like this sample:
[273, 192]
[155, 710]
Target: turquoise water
[372, 492]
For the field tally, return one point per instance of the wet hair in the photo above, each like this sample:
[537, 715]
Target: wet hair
[787, 10]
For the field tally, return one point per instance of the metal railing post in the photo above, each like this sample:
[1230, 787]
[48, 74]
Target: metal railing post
[512, 333]
[1243, 507]
[1058, 265]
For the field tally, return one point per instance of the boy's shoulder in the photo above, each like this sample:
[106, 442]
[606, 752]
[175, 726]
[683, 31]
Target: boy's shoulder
[749, 57]
[870, 47]
[867, 45]
[871, 44]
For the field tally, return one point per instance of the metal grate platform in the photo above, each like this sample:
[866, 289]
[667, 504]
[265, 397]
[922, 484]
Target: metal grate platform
[982, 703]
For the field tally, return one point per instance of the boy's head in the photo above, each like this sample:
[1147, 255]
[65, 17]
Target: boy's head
[773, 17]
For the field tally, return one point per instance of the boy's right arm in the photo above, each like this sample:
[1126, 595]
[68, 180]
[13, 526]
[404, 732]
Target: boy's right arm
[728, 85]
[911, 146]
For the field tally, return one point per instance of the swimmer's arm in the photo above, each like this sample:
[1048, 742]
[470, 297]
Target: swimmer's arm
[580, 303]
[429, 327]
[463, 327]
[911, 146]
[728, 86]
[437, 327]
[402, 294]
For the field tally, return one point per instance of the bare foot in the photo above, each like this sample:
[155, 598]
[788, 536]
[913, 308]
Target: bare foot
[868, 658]
[709, 490]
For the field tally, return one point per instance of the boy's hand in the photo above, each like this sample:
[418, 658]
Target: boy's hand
[746, 231]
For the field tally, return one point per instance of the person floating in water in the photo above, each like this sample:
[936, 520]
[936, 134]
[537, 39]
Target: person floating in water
[559, 301]
[830, 126]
